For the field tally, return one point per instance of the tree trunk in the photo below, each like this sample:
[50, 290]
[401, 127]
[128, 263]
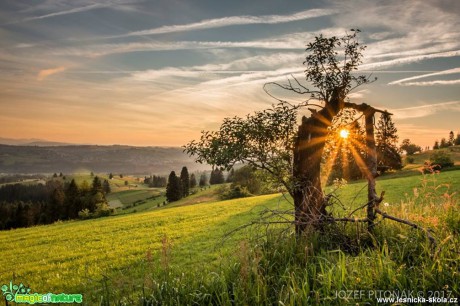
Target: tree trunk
[308, 150]
[371, 171]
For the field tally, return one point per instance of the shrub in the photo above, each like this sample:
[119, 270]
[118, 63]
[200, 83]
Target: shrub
[84, 214]
[441, 158]
[102, 210]
[410, 160]
[234, 192]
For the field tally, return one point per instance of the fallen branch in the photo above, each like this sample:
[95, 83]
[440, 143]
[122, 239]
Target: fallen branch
[428, 234]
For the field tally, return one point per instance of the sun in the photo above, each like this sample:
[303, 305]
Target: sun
[344, 133]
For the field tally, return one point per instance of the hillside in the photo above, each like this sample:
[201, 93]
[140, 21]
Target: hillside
[420, 158]
[189, 236]
[101, 159]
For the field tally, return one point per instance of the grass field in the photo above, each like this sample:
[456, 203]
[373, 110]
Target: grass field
[126, 253]
[69, 256]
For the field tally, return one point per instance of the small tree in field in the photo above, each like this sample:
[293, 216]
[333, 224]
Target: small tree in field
[192, 181]
[409, 147]
[387, 139]
[217, 177]
[174, 188]
[451, 138]
[203, 180]
[106, 187]
[185, 181]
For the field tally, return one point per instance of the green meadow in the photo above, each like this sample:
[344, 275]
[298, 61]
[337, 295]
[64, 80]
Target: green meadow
[189, 252]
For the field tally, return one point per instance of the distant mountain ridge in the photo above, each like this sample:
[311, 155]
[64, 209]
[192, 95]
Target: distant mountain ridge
[31, 142]
[99, 159]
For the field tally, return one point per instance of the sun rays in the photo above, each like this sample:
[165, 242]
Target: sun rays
[345, 153]
[344, 133]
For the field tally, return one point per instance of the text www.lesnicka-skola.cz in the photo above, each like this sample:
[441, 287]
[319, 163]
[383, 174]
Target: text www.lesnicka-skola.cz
[398, 296]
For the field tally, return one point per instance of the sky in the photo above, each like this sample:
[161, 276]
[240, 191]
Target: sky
[158, 72]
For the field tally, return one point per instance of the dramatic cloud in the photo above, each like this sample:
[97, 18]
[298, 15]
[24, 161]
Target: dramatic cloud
[47, 72]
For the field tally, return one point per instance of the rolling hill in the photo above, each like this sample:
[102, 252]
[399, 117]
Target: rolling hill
[177, 245]
[101, 159]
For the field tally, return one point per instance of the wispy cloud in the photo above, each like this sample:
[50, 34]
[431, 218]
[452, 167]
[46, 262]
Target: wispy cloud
[359, 94]
[107, 49]
[47, 72]
[432, 83]
[231, 21]
[71, 11]
[444, 72]
[254, 65]
[409, 59]
[425, 110]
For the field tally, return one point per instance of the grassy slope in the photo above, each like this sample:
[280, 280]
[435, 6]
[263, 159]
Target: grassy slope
[454, 153]
[72, 256]
[401, 188]
[68, 255]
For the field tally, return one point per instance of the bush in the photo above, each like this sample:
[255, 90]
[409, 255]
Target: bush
[84, 214]
[234, 192]
[441, 158]
[102, 210]
[410, 160]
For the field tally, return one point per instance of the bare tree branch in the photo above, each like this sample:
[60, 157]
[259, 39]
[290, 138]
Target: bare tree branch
[387, 216]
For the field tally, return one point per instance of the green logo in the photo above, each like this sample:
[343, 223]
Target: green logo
[21, 294]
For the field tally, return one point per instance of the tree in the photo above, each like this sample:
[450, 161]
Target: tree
[451, 138]
[203, 180]
[97, 196]
[56, 208]
[230, 176]
[217, 177]
[444, 143]
[386, 142]
[436, 145]
[271, 140]
[441, 159]
[457, 140]
[192, 181]
[110, 176]
[106, 187]
[72, 199]
[174, 188]
[185, 181]
[246, 177]
[409, 147]
[97, 185]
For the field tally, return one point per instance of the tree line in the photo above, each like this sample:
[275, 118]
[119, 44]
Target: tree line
[449, 142]
[155, 181]
[29, 205]
[180, 186]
